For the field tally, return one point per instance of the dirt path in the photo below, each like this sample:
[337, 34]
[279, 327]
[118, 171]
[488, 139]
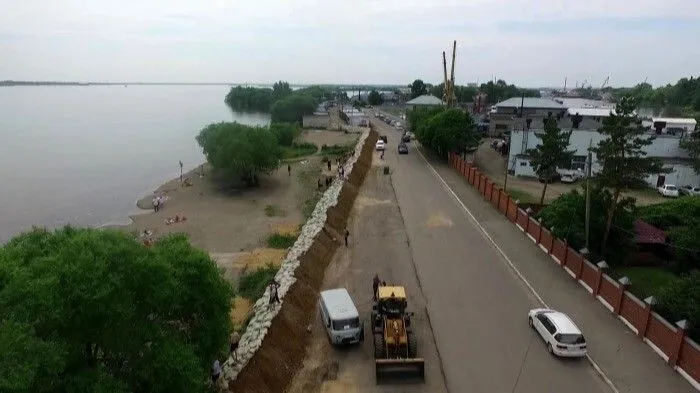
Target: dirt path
[378, 244]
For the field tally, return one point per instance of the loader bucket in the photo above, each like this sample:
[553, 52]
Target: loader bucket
[399, 369]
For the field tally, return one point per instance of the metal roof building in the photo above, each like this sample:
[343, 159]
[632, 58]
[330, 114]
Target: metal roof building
[426, 100]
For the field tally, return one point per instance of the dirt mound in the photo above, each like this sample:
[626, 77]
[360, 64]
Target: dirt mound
[282, 352]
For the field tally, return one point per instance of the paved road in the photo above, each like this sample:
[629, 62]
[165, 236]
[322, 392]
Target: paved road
[378, 245]
[626, 360]
[477, 306]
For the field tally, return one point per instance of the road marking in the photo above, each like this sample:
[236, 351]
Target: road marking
[505, 257]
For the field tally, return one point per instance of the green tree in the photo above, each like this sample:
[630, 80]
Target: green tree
[448, 130]
[374, 98]
[87, 310]
[241, 98]
[292, 108]
[678, 218]
[239, 153]
[280, 90]
[567, 216]
[286, 133]
[624, 162]
[500, 90]
[418, 116]
[691, 144]
[418, 88]
[551, 152]
[681, 300]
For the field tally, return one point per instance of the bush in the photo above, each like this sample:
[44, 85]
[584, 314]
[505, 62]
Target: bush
[278, 240]
[239, 153]
[252, 285]
[336, 150]
[80, 307]
[299, 150]
[286, 133]
[445, 131]
[567, 215]
[681, 300]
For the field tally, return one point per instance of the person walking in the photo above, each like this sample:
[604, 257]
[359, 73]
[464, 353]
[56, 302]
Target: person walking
[274, 298]
[289, 169]
[329, 165]
[234, 340]
[347, 233]
[215, 371]
[375, 286]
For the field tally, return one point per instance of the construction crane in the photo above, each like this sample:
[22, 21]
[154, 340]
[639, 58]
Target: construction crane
[604, 83]
[448, 94]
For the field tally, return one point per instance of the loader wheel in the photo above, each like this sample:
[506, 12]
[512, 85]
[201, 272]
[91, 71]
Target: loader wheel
[379, 347]
[412, 346]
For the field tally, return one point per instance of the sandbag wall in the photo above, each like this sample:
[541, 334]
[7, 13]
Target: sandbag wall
[269, 354]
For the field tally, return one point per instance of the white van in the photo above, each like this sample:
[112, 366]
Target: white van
[340, 317]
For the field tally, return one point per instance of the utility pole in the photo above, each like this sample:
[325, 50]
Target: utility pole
[589, 164]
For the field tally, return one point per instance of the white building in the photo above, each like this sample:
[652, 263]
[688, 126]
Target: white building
[666, 146]
[355, 117]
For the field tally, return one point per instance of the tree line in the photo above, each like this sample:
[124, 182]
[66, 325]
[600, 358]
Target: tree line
[679, 99]
[280, 101]
[495, 91]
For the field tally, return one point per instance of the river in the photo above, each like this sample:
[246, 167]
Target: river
[84, 155]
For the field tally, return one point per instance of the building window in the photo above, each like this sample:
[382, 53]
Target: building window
[523, 163]
[578, 162]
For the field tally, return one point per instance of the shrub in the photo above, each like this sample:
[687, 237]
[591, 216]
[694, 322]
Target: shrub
[278, 240]
[252, 285]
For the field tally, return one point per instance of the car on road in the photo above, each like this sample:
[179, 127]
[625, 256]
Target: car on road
[380, 146]
[559, 332]
[405, 138]
[668, 190]
[340, 317]
[689, 190]
[403, 148]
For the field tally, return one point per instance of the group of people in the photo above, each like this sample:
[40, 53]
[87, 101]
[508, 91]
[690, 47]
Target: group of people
[376, 282]
[158, 202]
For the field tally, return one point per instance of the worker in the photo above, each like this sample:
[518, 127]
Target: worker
[375, 286]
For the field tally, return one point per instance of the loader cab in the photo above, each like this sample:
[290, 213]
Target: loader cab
[340, 317]
[391, 301]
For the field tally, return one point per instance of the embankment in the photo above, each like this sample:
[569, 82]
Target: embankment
[272, 349]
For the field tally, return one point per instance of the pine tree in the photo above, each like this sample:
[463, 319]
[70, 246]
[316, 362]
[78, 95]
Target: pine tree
[550, 152]
[624, 162]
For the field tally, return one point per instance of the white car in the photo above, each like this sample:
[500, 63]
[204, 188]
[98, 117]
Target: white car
[689, 190]
[559, 332]
[380, 145]
[568, 178]
[668, 190]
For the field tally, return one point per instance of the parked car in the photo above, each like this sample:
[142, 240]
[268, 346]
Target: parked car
[568, 178]
[403, 148]
[689, 190]
[552, 179]
[668, 190]
[405, 138]
[380, 145]
[559, 332]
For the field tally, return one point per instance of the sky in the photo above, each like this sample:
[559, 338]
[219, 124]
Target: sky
[528, 43]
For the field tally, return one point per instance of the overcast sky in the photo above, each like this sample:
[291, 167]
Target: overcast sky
[529, 43]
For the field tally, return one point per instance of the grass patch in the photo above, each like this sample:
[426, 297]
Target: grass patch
[281, 240]
[252, 285]
[297, 150]
[309, 205]
[522, 196]
[647, 281]
[274, 211]
[336, 150]
[309, 195]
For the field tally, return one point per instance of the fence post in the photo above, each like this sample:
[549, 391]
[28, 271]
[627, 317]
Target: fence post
[539, 234]
[527, 221]
[602, 266]
[648, 306]
[682, 326]
[625, 282]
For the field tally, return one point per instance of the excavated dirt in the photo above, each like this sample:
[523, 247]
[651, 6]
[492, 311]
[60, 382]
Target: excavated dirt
[282, 352]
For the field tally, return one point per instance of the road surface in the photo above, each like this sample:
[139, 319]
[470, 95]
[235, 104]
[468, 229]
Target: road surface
[470, 287]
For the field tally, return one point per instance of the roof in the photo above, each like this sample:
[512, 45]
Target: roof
[339, 304]
[530, 102]
[591, 112]
[425, 99]
[583, 103]
[563, 323]
[645, 233]
[675, 120]
[385, 292]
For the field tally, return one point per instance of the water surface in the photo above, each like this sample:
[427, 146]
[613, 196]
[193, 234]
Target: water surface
[84, 155]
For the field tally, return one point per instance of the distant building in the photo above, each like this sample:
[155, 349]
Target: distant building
[585, 123]
[425, 100]
[354, 117]
[504, 114]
